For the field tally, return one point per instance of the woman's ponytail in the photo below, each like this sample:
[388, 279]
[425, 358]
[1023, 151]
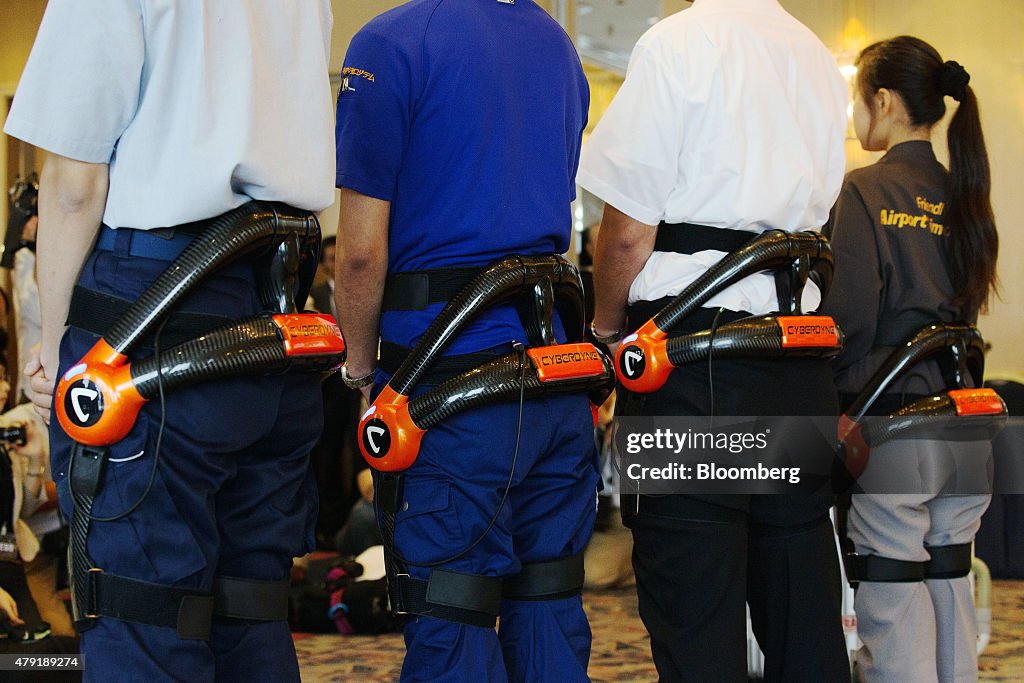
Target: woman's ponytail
[973, 243]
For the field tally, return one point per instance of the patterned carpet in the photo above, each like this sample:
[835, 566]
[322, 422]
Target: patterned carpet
[621, 652]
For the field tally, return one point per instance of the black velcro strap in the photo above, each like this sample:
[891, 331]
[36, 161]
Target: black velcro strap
[97, 312]
[883, 569]
[469, 599]
[551, 580]
[414, 290]
[443, 368]
[250, 599]
[948, 561]
[189, 612]
[689, 238]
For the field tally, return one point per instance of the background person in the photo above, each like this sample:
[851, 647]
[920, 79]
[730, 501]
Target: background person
[892, 279]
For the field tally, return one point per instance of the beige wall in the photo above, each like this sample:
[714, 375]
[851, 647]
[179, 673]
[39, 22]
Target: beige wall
[19, 20]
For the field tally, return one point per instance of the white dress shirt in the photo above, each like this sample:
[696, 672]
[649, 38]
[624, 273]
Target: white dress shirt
[198, 106]
[732, 115]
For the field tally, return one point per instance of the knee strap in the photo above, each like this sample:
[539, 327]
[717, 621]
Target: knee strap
[948, 561]
[187, 611]
[250, 599]
[549, 580]
[469, 599]
[882, 569]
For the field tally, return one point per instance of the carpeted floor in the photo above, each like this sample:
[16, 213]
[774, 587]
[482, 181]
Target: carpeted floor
[621, 652]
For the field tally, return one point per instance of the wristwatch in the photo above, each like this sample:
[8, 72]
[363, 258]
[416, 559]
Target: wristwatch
[605, 338]
[356, 382]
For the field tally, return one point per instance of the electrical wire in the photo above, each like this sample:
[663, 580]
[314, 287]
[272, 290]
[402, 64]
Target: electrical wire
[711, 377]
[156, 449]
[389, 543]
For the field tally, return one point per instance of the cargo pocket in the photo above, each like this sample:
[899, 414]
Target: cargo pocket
[155, 541]
[427, 526]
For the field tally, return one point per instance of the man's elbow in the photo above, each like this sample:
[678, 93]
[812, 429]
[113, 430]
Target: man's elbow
[73, 187]
[363, 263]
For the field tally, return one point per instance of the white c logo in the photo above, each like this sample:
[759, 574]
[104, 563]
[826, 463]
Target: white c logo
[371, 432]
[632, 357]
[76, 395]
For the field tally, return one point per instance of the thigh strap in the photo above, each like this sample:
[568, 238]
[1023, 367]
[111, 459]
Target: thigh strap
[883, 569]
[470, 599]
[549, 580]
[948, 561]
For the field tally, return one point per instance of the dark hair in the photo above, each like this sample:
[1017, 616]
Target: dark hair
[915, 71]
[328, 241]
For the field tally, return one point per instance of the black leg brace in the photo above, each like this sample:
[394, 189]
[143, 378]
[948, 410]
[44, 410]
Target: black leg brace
[96, 593]
[470, 599]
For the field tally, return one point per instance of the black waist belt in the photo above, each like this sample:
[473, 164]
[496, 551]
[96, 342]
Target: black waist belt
[414, 290]
[689, 238]
[444, 368]
[97, 312]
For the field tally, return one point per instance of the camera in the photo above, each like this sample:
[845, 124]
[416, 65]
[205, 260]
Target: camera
[14, 435]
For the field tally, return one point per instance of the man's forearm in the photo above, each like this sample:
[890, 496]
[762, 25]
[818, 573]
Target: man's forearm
[72, 196]
[623, 247]
[360, 271]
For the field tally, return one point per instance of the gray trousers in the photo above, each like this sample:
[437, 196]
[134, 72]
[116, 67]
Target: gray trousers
[924, 631]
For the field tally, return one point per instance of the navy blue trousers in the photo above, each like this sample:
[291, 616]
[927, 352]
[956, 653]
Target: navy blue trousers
[233, 494]
[451, 494]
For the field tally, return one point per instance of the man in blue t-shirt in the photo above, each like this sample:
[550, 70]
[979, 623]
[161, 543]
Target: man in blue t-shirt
[458, 136]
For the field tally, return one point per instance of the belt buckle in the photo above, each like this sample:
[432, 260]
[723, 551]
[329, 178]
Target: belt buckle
[91, 592]
[399, 603]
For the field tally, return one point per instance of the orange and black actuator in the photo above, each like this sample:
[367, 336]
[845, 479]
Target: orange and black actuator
[647, 357]
[391, 430]
[99, 398]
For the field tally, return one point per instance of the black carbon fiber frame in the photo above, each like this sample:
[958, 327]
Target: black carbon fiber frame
[964, 343]
[502, 280]
[768, 251]
[251, 346]
[920, 423]
[758, 336]
[498, 381]
[251, 226]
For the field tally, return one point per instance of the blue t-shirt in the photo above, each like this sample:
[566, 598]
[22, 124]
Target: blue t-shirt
[467, 116]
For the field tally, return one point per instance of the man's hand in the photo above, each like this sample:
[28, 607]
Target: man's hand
[365, 481]
[9, 608]
[40, 390]
[623, 247]
[72, 196]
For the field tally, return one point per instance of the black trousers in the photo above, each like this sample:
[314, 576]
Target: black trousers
[700, 559]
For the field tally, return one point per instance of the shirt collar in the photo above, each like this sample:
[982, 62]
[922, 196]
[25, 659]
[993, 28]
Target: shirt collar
[911, 149]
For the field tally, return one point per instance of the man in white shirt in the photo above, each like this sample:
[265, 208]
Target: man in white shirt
[160, 117]
[730, 122]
